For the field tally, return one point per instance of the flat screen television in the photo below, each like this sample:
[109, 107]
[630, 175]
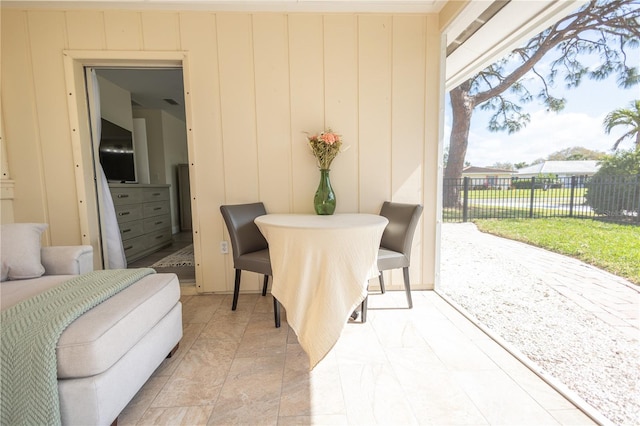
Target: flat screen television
[116, 153]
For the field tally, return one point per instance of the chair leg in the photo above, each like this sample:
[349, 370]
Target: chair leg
[276, 312]
[236, 290]
[264, 286]
[381, 279]
[407, 286]
[363, 309]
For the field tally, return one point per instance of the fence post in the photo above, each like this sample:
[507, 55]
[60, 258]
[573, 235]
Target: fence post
[571, 195]
[531, 198]
[465, 200]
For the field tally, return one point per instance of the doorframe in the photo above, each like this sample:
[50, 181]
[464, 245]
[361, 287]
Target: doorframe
[75, 62]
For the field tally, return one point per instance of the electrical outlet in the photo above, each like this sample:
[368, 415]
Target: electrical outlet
[224, 247]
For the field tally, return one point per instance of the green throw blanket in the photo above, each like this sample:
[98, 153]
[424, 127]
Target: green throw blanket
[29, 333]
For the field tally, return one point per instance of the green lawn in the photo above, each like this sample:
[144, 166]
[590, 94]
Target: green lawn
[490, 212]
[526, 193]
[612, 247]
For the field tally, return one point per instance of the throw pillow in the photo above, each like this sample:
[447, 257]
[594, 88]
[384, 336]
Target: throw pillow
[20, 243]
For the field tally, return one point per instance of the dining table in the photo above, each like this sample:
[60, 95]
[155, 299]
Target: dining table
[321, 267]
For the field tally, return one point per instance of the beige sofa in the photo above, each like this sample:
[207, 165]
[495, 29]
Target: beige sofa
[106, 355]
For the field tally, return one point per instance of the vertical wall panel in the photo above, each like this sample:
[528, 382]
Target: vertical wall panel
[271, 56]
[47, 34]
[408, 114]
[307, 104]
[408, 108]
[85, 29]
[123, 30]
[374, 119]
[198, 37]
[20, 130]
[160, 31]
[341, 104]
[432, 160]
[237, 97]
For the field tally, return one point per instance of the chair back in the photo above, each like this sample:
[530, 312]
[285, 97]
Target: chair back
[244, 233]
[403, 219]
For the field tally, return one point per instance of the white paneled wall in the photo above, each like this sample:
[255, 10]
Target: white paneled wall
[255, 83]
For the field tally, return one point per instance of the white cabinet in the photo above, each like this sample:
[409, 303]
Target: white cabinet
[144, 218]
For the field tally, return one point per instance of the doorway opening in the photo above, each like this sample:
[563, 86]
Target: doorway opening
[149, 188]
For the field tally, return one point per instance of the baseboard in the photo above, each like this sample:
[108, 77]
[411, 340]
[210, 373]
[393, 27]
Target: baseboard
[188, 289]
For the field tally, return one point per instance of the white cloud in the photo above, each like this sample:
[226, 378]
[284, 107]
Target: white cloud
[545, 134]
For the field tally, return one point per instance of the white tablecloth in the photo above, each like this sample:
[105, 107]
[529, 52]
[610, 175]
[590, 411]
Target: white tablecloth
[321, 266]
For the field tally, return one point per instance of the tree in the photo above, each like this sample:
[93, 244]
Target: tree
[625, 117]
[615, 188]
[503, 166]
[621, 163]
[520, 165]
[576, 153]
[537, 161]
[595, 28]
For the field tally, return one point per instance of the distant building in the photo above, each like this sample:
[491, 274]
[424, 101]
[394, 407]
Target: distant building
[560, 169]
[488, 177]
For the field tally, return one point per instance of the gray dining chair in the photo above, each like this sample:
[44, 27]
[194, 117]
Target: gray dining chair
[396, 242]
[250, 248]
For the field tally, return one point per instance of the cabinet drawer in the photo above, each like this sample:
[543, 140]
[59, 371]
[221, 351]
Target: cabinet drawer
[128, 213]
[134, 246]
[155, 194]
[159, 238]
[157, 208]
[132, 229]
[123, 196]
[156, 223]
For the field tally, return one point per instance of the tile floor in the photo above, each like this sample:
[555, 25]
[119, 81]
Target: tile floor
[428, 365]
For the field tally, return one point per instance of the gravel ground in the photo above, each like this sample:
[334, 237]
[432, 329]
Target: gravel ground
[489, 277]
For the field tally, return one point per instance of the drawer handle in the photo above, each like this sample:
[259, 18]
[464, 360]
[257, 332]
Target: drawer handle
[123, 195]
[159, 222]
[123, 213]
[159, 237]
[157, 208]
[156, 194]
[128, 247]
[126, 230]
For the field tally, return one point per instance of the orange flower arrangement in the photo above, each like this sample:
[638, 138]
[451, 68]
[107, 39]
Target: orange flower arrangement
[325, 147]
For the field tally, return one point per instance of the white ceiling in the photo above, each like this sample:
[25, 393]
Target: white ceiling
[150, 87]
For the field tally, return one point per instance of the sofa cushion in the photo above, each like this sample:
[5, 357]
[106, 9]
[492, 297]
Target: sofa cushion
[16, 291]
[21, 250]
[100, 337]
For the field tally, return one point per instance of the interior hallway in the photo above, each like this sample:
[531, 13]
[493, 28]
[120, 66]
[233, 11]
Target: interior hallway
[186, 274]
[428, 365]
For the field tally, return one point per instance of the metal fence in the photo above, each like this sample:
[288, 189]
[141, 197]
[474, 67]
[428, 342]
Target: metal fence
[613, 198]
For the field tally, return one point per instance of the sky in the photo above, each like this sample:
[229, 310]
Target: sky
[579, 124]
